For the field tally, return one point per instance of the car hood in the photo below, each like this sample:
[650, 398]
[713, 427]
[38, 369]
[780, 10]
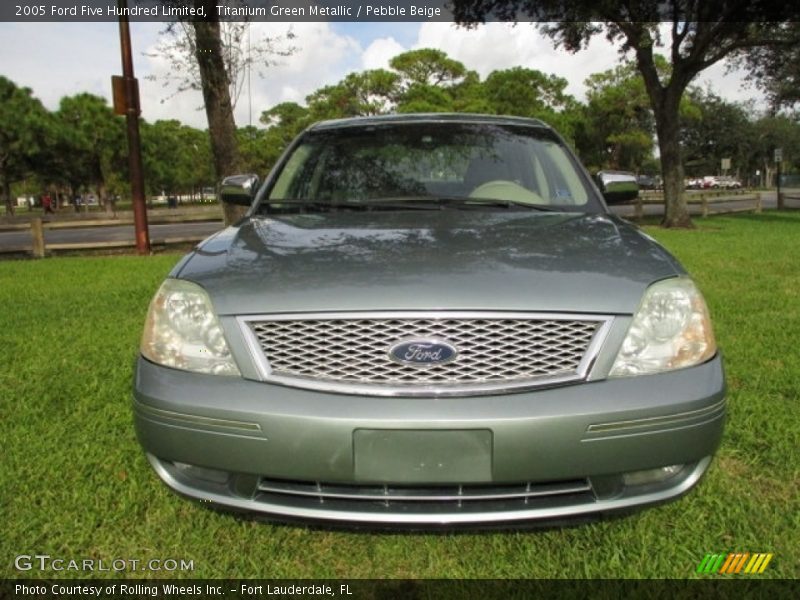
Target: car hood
[420, 260]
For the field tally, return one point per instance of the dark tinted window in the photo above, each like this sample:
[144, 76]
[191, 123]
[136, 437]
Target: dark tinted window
[405, 161]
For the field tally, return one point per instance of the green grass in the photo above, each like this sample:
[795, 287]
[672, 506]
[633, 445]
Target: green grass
[75, 483]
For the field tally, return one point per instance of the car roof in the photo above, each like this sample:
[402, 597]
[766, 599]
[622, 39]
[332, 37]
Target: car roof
[429, 118]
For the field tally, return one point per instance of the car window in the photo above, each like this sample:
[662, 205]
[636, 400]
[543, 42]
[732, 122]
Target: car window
[524, 165]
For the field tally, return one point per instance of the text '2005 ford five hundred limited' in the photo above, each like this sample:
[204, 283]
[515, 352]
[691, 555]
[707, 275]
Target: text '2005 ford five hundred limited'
[428, 320]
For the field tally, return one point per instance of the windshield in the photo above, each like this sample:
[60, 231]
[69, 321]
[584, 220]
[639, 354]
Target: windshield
[455, 163]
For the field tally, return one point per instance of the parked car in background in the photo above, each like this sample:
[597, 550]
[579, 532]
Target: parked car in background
[695, 183]
[429, 320]
[208, 194]
[648, 182]
[707, 182]
[713, 182]
[727, 182]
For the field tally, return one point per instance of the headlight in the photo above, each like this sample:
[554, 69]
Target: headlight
[670, 330]
[182, 331]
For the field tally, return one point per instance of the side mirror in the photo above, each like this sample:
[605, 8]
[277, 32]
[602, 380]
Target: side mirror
[618, 186]
[239, 189]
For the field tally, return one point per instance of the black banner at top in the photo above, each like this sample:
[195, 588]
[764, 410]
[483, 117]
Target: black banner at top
[723, 11]
[225, 10]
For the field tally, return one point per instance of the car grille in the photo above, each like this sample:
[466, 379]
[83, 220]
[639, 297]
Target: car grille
[425, 499]
[493, 351]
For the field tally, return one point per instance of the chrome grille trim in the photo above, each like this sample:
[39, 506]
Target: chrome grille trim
[572, 364]
[500, 496]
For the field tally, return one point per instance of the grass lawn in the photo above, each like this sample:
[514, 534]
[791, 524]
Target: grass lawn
[75, 483]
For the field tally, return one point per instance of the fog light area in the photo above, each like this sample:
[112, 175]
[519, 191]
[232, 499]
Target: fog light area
[203, 473]
[651, 475]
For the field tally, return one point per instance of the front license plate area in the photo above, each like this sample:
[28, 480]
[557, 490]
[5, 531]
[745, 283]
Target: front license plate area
[422, 456]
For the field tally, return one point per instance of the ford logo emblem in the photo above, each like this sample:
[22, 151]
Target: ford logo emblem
[423, 352]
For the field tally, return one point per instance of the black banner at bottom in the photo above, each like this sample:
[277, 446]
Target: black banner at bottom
[380, 589]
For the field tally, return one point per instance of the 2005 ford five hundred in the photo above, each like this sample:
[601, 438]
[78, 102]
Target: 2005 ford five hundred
[428, 320]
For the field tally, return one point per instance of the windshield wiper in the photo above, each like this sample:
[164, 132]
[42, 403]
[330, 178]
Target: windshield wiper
[406, 203]
[316, 205]
[313, 205]
[460, 202]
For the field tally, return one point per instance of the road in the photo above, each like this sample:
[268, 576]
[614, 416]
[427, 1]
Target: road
[20, 240]
[768, 200]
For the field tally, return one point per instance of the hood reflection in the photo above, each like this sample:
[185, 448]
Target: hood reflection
[430, 255]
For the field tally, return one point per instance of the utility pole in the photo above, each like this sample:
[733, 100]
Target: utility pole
[778, 161]
[126, 101]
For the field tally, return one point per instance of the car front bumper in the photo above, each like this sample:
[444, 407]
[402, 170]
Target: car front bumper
[552, 453]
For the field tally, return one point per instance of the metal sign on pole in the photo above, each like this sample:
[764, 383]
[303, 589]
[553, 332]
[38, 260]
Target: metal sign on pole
[126, 101]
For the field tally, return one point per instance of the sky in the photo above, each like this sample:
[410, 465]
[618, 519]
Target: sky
[59, 59]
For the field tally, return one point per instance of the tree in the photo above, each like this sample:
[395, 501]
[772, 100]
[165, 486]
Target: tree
[776, 68]
[530, 93]
[260, 149]
[218, 105]
[427, 66]
[431, 81]
[618, 126]
[240, 54]
[469, 95]
[93, 137]
[358, 94]
[700, 35]
[197, 165]
[289, 118]
[176, 158]
[24, 124]
[221, 62]
[768, 133]
[423, 80]
[716, 129]
[425, 98]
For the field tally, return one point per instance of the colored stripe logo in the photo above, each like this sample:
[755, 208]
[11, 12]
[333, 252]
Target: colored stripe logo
[734, 563]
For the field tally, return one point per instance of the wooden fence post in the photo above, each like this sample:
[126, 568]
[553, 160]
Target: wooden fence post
[37, 235]
[704, 203]
[638, 212]
[758, 202]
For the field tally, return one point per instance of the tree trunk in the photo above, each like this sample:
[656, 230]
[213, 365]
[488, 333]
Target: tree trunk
[666, 113]
[7, 197]
[676, 211]
[103, 198]
[219, 109]
[666, 100]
